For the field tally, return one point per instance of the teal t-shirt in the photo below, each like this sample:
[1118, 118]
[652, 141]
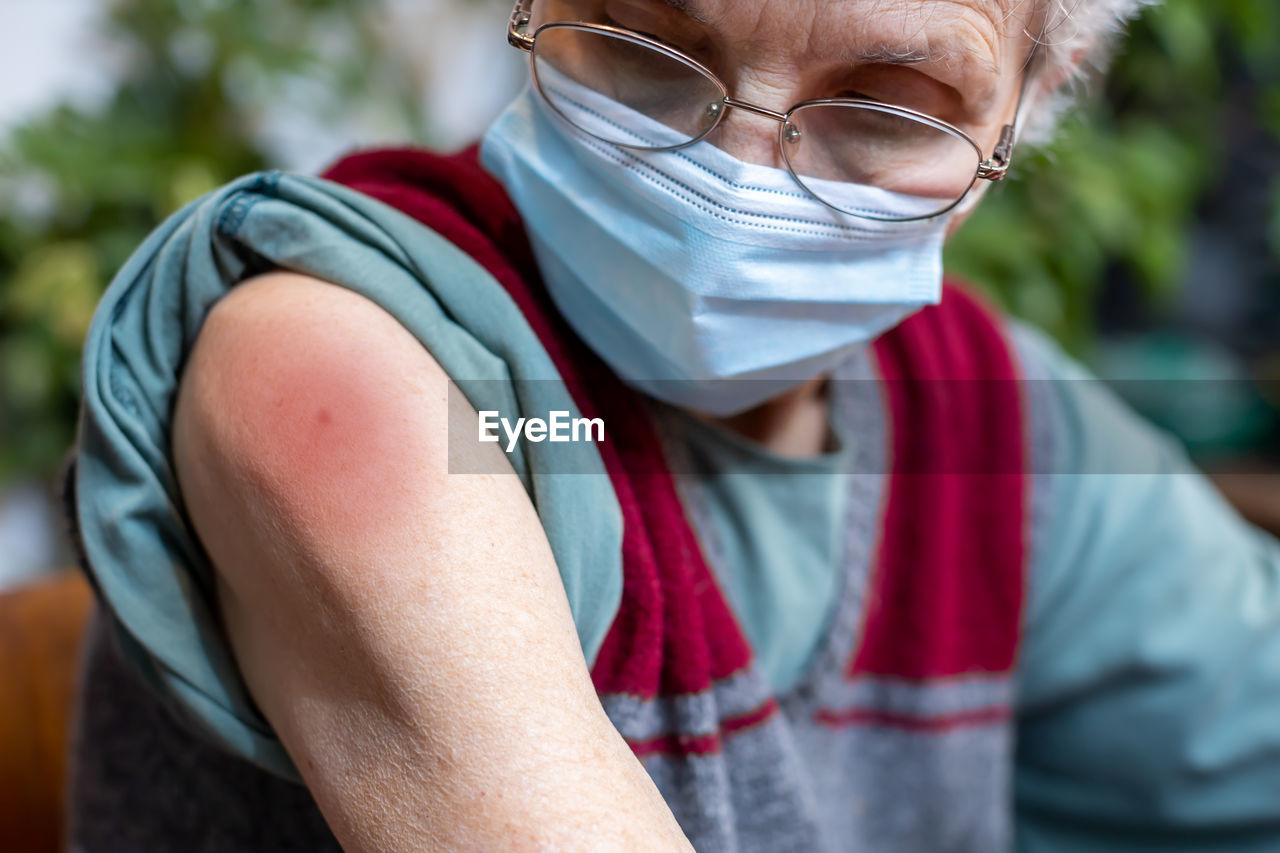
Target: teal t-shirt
[773, 533]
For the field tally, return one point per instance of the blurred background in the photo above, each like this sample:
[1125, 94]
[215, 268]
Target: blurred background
[1146, 238]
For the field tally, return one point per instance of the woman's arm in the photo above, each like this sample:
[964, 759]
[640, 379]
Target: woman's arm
[404, 630]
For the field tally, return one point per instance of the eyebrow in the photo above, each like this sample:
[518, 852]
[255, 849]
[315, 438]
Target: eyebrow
[898, 54]
[686, 8]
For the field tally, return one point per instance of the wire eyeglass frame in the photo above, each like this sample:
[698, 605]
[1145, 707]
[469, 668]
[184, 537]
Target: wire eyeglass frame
[993, 169]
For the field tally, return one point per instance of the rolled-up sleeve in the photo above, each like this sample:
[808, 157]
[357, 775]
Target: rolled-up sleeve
[1149, 678]
[137, 545]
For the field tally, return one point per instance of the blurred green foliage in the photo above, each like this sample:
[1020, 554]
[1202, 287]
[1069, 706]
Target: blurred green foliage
[1120, 184]
[80, 189]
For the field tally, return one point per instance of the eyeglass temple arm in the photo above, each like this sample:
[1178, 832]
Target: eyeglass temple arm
[997, 167]
[520, 17]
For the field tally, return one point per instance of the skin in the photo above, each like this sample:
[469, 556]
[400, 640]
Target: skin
[405, 630]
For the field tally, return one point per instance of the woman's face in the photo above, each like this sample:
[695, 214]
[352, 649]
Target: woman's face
[956, 60]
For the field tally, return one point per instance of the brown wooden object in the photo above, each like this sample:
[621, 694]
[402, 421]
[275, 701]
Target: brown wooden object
[41, 625]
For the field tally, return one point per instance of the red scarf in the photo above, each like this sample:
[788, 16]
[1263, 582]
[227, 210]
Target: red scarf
[946, 591]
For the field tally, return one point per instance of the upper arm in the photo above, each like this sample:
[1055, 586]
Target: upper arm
[403, 629]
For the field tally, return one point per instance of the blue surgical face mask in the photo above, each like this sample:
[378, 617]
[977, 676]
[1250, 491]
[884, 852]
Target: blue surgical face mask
[705, 281]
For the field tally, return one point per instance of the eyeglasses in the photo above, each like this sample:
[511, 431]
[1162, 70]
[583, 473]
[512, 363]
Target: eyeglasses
[660, 98]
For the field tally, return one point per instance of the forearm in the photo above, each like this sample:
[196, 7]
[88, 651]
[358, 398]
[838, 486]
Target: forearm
[391, 775]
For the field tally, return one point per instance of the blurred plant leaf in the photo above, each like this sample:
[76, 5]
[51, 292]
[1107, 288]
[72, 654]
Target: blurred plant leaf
[81, 188]
[1119, 186]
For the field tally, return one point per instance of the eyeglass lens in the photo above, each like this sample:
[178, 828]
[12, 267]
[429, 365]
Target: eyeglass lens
[654, 100]
[682, 102]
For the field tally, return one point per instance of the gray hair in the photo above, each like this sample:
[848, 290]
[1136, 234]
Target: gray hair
[1076, 42]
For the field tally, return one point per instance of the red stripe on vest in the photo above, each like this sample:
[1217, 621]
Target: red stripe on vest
[676, 743]
[946, 593]
[878, 718]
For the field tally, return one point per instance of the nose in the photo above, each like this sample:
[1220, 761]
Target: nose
[749, 131]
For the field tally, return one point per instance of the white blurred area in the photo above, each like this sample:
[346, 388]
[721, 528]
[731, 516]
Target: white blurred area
[464, 68]
[51, 52]
[30, 532]
[44, 45]
[456, 49]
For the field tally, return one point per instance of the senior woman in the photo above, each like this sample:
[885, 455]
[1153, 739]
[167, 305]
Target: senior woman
[833, 578]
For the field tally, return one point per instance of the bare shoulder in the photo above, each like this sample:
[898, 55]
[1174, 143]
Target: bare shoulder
[314, 388]
[311, 447]
[322, 403]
